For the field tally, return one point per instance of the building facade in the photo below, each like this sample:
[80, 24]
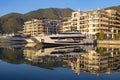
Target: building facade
[95, 21]
[66, 25]
[41, 26]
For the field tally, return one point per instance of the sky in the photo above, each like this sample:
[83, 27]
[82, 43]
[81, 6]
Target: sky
[24, 6]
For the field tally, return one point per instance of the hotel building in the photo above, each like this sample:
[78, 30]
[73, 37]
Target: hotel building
[41, 26]
[92, 22]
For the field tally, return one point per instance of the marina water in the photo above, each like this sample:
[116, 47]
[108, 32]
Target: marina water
[76, 62]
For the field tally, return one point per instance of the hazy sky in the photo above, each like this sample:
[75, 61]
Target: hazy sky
[24, 6]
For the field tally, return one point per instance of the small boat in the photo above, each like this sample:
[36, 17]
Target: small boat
[13, 39]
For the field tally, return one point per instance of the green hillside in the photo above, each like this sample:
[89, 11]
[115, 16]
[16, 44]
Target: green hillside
[115, 8]
[13, 22]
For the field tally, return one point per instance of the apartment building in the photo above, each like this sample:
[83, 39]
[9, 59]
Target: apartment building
[41, 26]
[66, 25]
[92, 22]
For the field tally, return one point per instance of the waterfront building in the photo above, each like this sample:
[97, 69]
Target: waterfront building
[41, 26]
[66, 25]
[92, 22]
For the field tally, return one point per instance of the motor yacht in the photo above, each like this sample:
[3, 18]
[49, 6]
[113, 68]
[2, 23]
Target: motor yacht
[65, 38]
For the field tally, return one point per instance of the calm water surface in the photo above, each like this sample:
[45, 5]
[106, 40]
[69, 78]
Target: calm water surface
[32, 62]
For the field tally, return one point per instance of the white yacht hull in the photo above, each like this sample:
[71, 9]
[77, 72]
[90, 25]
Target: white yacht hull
[66, 42]
[81, 43]
[63, 39]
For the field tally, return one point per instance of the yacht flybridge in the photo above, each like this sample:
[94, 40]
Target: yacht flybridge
[65, 38]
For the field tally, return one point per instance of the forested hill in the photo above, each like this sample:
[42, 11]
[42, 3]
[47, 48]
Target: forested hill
[13, 22]
[115, 8]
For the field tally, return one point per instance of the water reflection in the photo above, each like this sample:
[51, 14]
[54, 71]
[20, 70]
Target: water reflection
[90, 59]
[54, 56]
[12, 53]
[94, 60]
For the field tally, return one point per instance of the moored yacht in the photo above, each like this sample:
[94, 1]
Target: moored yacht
[13, 39]
[65, 38]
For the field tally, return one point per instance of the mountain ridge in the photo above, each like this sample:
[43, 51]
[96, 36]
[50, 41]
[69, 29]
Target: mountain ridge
[13, 22]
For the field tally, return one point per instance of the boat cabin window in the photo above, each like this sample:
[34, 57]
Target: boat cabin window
[75, 38]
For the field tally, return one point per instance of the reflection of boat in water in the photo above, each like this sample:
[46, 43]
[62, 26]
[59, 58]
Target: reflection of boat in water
[54, 55]
[61, 49]
[66, 38]
[62, 52]
[30, 45]
[13, 46]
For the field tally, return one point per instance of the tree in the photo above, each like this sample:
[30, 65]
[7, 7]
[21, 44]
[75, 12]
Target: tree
[100, 35]
[117, 36]
[100, 51]
[12, 25]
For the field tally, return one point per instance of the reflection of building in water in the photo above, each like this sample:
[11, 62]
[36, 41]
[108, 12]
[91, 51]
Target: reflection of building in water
[101, 60]
[79, 58]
